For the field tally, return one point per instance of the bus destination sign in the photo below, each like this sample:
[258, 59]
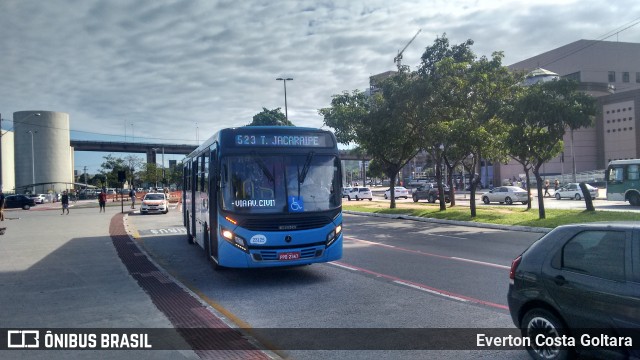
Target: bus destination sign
[308, 140]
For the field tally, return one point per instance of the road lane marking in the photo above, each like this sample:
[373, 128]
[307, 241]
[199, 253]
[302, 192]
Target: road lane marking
[481, 263]
[344, 266]
[423, 287]
[418, 252]
[430, 291]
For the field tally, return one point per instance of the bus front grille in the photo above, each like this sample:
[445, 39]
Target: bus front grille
[272, 255]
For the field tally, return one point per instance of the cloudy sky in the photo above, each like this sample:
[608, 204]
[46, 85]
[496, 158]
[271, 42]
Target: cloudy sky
[171, 71]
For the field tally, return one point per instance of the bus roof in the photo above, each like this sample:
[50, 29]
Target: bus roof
[624, 162]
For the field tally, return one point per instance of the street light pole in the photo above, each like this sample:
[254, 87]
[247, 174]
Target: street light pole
[33, 165]
[284, 80]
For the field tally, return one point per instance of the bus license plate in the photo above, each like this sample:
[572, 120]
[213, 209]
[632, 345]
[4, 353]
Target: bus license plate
[289, 256]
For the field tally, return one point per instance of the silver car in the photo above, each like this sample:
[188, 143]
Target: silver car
[506, 195]
[573, 191]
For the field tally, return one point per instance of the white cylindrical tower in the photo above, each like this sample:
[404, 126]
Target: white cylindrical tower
[8, 168]
[42, 151]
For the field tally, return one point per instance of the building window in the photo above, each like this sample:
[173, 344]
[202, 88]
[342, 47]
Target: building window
[625, 76]
[612, 76]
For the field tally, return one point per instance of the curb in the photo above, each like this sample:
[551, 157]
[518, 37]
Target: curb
[453, 222]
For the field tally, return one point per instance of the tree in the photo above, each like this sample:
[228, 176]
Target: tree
[538, 121]
[460, 99]
[151, 173]
[384, 125]
[110, 169]
[273, 117]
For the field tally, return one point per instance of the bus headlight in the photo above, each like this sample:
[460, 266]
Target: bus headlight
[333, 235]
[234, 239]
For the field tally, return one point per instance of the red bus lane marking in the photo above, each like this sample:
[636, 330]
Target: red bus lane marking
[422, 287]
[418, 252]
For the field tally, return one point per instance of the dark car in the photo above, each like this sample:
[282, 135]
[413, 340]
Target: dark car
[430, 193]
[582, 282]
[19, 201]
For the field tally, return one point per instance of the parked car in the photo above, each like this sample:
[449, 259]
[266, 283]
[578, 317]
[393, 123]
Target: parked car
[430, 193]
[39, 198]
[19, 201]
[506, 195]
[360, 193]
[345, 191]
[398, 191]
[154, 202]
[573, 191]
[577, 278]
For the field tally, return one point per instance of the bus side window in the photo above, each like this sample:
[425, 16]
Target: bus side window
[632, 172]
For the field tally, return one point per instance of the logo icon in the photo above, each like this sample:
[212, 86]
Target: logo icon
[20, 339]
[295, 204]
[258, 239]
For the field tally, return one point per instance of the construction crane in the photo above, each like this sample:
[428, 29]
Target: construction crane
[398, 58]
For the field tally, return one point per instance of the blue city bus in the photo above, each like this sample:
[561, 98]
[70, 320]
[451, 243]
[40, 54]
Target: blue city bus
[265, 196]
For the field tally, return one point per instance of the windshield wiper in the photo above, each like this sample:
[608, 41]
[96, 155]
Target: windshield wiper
[305, 169]
[262, 166]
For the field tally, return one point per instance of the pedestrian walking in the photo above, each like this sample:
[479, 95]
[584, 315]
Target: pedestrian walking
[1, 205]
[65, 202]
[132, 195]
[102, 201]
[556, 185]
[546, 188]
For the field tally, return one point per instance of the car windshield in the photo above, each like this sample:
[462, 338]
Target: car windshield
[154, 197]
[280, 184]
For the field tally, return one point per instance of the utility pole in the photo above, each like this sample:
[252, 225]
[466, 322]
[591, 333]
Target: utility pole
[85, 177]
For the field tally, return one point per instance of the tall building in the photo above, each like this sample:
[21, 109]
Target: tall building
[609, 71]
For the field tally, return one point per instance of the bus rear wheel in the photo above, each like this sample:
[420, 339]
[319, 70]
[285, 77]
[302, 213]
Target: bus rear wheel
[634, 199]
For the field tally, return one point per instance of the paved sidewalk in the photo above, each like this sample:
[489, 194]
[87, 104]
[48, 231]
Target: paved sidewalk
[71, 271]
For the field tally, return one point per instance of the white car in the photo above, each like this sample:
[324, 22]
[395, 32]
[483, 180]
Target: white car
[360, 193]
[345, 191]
[506, 195]
[573, 191]
[39, 198]
[399, 191]
[154, 202]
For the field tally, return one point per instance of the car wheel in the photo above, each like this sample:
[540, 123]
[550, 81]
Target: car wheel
[525, 202]
[415, 198]
[485, 200]
[26, 207]
[406, 197]
[349, 198]
[542, 322]
[558, 196]
[385, 196]
[578, 197]
[432, 199]
[370, 199]
[508, 200]
[357, 198]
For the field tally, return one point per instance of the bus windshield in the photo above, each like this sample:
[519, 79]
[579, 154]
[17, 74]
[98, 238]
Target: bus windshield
[278, 184]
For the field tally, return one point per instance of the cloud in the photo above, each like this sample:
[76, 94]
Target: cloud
[166, 65]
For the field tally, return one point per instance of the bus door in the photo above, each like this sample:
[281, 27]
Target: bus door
[213, 203]
[194, 191]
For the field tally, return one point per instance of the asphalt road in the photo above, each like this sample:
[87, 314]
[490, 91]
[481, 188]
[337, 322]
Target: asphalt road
[395, 274]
